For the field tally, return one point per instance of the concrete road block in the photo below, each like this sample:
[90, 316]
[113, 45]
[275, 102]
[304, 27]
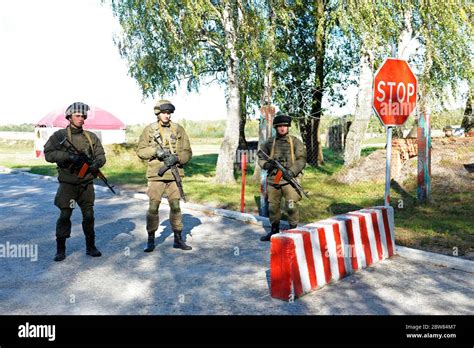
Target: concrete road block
[307, 258]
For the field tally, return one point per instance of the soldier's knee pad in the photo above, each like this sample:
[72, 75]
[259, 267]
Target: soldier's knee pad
[153, 207]
[174, 206]
[88, 215]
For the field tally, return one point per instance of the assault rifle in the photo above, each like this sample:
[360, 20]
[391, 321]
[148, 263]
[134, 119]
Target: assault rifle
[85, 166]
[173, 168]
[283, 172]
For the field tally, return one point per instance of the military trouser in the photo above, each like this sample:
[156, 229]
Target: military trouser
[156, 190]
[275, 194]
[66, 198]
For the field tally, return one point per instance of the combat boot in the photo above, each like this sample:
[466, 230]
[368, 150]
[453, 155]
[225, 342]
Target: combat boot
[150, 246]
[179, 242]
[91, 250]
[275, 229]
[60, 249]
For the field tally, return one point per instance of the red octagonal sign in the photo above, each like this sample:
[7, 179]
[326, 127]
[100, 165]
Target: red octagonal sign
[395, 88]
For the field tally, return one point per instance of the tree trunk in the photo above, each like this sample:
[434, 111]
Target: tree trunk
[266, 121]
[405, 38]
[225, 161]
[309, 130]
[309, 127]
[265, 125]
[404, 45]
[468, 119]
[363, 110]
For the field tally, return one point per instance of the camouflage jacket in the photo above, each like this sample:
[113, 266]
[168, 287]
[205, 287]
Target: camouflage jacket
[280, 149]
[84, 141]
[172, 137]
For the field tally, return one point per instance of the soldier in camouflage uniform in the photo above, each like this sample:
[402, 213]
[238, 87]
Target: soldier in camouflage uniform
[291, 153]
[73, 189]
[171, 136]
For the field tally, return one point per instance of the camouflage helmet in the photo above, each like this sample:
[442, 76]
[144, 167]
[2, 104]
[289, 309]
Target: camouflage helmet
[282, 120]
[163, 105]
[77, 107]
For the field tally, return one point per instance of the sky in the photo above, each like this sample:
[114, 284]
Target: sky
[56, 52]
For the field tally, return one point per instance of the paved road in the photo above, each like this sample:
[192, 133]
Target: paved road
[226, 272]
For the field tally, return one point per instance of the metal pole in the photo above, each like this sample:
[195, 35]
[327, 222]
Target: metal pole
[244, 169]
[388, 160]
[266, 131]
[388, 166]
[423, 191]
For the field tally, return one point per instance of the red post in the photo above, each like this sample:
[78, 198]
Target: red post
[243, 166]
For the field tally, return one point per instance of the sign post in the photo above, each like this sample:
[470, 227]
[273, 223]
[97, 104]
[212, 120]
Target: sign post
[388, 166]
[243, 166]
[265, 132]
[423, 191]
[394, 100]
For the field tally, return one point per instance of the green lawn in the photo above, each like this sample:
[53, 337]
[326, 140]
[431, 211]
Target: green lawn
[443, 226]
[377, 140]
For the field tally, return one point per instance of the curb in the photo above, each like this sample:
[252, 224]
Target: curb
[437, 259]
[408, 253]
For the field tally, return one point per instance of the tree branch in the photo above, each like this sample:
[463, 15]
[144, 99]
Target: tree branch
[212, 43]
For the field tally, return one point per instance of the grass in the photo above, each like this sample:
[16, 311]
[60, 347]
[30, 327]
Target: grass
[445, 225]
[377, 140]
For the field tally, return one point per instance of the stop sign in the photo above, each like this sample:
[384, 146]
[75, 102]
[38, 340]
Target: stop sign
[395, 88]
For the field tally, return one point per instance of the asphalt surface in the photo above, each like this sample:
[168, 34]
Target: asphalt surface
[227, 272]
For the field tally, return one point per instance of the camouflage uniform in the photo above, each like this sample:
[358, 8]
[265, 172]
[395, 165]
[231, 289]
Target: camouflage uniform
[291, 153]
[172, 137]
[73, 189]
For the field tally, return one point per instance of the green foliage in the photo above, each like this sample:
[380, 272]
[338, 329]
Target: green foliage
[446, 34]
[298, 68]
[375, 126]
[441, 119]
[166, 42]
[197, 129]
[133, 132]
[24, 127]
[204, 129]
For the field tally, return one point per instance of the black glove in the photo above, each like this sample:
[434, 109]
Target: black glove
[289, 175]
[78, 159]
[171, 160]
[270, 166]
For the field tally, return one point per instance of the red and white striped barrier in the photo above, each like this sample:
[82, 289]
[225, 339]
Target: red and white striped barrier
[307, 258]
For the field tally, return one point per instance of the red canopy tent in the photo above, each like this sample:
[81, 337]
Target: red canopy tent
[97, 118]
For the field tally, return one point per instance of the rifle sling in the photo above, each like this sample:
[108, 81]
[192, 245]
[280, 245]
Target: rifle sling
[292, 149]
[88, 137]
[166, 141]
